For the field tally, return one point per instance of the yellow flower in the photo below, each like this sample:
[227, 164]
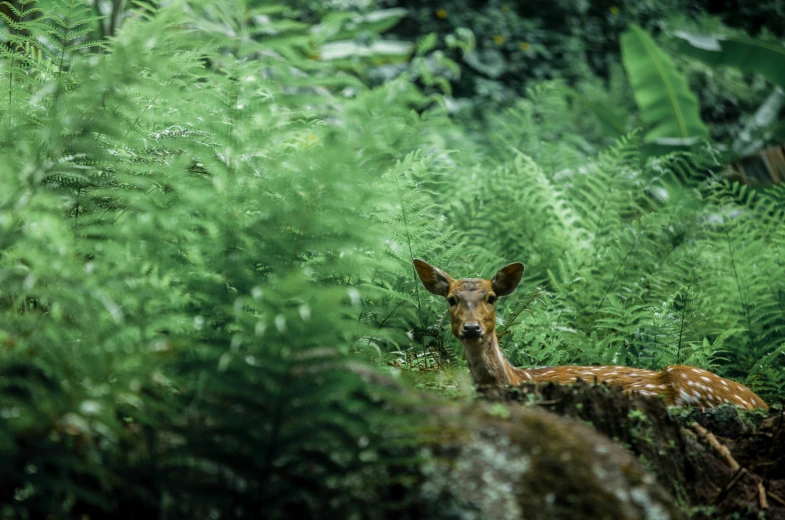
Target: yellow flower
[311, 140]
[498, 39]
[614, 10]
[525, 46]
[441, 13]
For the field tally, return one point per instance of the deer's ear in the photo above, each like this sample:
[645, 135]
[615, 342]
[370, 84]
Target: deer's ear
[435, 280]
[507, 279]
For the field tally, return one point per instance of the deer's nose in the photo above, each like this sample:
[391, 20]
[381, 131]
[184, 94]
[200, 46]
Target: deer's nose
[471, 330]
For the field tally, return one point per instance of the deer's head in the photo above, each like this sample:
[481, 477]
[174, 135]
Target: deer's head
[471, 300]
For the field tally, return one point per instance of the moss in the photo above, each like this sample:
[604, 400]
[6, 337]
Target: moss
[530, 464]
[451, 489]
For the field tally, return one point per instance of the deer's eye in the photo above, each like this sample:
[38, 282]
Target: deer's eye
[452, 301]
[491, 299]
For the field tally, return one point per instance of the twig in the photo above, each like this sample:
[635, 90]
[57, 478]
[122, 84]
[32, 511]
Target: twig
[775, 497]
[717, 445]
[764, 504]
[723, 450]
[726, 489]
[552, 401]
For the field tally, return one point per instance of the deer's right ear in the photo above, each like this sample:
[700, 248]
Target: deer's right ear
[435, 280]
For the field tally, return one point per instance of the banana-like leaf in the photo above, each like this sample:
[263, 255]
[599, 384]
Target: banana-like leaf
[668, 108]
[747, 54]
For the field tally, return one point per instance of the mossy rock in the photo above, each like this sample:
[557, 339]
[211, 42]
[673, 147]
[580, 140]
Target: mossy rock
[484, 462]
[701, 481]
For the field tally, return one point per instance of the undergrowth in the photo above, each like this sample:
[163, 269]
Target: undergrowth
[204, 230]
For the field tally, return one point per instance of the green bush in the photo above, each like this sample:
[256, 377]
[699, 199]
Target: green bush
[187, 219]
[204, 227]
[518, 45]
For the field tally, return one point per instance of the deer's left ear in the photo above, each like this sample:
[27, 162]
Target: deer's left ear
[507, 279]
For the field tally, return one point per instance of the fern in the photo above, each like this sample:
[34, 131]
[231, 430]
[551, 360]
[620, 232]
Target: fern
[180, 257]
[204, 229]
[631, 259]
[68, 22]
[411, 220]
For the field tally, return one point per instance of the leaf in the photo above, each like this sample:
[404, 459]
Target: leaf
[347, 27]
[387, 49]
[747, 54]
[379, 21]
[427, 43]
[668, 107]
[488, 61]
[754, 134]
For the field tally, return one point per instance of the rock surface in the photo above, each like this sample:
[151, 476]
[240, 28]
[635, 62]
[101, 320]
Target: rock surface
[703, 482]
[487, 461]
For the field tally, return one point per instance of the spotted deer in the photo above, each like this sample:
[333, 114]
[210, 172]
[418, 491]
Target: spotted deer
[473, 321]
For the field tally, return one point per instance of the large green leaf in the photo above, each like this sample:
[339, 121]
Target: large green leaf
[668, 108]
[747, 54]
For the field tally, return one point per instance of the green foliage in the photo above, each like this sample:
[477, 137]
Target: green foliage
[185, 236]
[519, 45]
[668, 108]
[748, 54]
[635, 270]
[206, 230]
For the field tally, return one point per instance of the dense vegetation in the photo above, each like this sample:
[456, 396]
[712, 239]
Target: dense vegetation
[208, 211]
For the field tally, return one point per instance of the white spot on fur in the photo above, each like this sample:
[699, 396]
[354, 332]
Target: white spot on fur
[687, 398]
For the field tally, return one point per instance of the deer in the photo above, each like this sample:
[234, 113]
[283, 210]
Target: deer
[473, 322]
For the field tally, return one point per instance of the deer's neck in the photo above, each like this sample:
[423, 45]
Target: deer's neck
[488, 365]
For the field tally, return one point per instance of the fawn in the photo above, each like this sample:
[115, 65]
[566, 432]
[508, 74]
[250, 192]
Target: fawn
[473, 320]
